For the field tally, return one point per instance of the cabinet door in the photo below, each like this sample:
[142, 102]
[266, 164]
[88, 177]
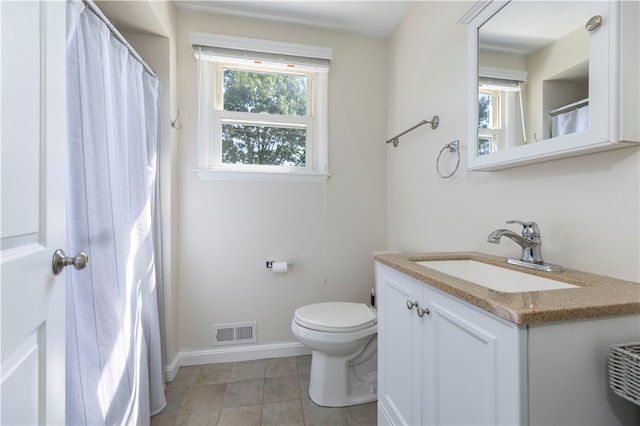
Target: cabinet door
[399, 371]
[474, 365]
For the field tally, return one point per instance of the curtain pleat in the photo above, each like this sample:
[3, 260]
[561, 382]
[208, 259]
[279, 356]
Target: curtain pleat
[114, 366]
[570, 122]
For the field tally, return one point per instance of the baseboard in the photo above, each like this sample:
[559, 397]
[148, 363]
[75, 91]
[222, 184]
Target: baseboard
[233, 354]
[171, 370]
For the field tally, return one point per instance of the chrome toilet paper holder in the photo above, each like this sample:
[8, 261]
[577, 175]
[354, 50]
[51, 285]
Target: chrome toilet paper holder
[269, 263]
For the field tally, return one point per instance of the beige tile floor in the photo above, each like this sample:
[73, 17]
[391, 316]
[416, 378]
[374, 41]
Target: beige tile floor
[261, 392]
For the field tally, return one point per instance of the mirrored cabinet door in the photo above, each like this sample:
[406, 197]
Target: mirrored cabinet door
[552, 79]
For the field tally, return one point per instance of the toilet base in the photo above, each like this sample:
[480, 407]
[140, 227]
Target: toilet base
[343, 381]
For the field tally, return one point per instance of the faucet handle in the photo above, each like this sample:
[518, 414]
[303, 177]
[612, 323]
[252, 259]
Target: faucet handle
[530, 229]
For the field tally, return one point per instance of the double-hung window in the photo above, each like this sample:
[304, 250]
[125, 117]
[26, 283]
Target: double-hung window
[262, 109]
[500, 109]
[490, 118]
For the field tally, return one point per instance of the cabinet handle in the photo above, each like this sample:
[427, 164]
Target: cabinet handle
[420, 311]
[423, 312]
[593, 23]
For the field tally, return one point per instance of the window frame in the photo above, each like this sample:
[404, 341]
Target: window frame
[211, 115]
[222, 116]
[504, 110]
[495, 132]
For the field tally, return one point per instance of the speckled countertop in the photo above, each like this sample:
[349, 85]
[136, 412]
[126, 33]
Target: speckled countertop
[598, 296]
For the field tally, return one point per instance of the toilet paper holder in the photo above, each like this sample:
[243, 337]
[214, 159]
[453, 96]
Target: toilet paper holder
[269, 263]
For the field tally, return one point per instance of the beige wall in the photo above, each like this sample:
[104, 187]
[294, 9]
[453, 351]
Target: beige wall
[587, 207]
[229, 229]
[549, 63]
[508, 61]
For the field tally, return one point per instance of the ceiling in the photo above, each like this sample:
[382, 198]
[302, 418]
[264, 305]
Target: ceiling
[372, 18]
[131, 16]
[525, 26]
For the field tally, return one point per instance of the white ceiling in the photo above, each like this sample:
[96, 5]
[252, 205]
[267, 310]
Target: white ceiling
[522, 27]
[372, 18]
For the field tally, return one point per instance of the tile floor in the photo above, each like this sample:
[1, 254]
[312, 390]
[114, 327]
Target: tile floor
[261, 392]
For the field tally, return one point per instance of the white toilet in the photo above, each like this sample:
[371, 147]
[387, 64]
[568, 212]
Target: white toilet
[344, 339]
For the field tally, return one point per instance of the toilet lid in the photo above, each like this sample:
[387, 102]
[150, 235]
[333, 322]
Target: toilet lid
[336, 317]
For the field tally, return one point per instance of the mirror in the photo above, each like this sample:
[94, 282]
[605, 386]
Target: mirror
[533, 74]
[540, 84]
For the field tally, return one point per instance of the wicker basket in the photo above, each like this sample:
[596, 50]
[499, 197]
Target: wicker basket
[624, 371]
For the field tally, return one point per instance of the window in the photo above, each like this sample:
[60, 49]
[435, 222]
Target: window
[490, 132]
[262, 109]
[263, 116]
[499, 112]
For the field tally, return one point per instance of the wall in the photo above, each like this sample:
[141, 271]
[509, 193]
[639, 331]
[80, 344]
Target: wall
[587, 207]
[229, 229]
[546, 90]
[510, 61]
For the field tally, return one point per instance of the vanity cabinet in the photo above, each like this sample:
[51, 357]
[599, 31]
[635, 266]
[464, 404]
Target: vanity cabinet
[456, 364]
[459, 364]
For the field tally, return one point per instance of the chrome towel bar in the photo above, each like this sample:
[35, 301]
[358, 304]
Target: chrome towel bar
[435, 121]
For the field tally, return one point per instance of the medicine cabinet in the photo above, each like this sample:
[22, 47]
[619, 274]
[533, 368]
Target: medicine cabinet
[549, 80]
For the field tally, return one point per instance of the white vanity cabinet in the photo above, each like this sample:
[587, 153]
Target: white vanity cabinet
[456, 364]
[459, 364]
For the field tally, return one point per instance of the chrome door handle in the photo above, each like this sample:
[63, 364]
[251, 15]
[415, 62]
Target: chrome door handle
[60, 260]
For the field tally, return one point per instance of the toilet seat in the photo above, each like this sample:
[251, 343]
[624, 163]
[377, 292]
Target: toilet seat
[336, 317]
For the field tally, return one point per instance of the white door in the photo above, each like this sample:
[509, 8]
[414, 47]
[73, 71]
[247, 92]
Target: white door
[33, 181]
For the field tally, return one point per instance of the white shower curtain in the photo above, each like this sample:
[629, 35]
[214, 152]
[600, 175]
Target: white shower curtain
[569, 122]
[114, 368]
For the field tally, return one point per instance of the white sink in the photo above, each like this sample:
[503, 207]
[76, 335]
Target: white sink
[494, 277]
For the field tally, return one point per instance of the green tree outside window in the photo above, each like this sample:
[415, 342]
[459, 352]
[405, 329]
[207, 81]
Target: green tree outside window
[264, 93]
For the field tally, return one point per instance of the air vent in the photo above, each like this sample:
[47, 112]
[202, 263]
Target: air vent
[234, 333]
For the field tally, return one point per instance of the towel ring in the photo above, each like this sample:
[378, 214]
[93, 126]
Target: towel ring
[453, 147]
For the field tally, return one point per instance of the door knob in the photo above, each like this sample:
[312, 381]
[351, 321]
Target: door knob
[60, 260]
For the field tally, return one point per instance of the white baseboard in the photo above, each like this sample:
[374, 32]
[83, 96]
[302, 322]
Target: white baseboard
[233, 354]
[172, 369]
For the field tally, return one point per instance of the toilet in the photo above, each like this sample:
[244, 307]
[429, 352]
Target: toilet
[344, 339]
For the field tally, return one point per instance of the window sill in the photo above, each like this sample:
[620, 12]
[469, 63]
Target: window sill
[224, 174]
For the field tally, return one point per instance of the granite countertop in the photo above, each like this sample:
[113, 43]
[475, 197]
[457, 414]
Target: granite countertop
[598, 296]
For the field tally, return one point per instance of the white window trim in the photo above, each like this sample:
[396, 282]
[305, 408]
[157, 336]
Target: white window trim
[508, 119]
[503, 73]
[317, 153]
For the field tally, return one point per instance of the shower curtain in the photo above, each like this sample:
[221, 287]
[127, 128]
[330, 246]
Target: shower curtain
[114, 372]
[570, 122]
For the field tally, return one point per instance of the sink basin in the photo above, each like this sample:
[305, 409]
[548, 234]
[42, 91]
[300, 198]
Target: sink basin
[494, 277]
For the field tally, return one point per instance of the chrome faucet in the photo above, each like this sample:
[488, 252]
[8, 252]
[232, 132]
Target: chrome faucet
[530, 242]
